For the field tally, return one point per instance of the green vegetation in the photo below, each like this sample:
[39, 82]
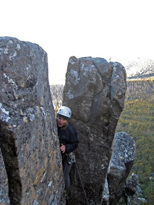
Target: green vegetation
[137, 119]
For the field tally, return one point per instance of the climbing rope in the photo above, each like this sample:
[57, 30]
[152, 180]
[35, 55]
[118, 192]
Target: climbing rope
[81, 184]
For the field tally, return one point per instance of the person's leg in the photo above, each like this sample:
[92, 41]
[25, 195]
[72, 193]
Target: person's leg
[66, 170]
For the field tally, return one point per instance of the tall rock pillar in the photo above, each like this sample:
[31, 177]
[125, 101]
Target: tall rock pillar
[28, 135]
[95, 91]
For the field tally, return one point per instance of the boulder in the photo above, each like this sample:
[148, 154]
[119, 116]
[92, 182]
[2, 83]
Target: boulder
[28, 131]
[133, 192]
[95, 91]
[120, 165]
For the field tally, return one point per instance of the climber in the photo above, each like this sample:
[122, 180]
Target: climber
[68, 141]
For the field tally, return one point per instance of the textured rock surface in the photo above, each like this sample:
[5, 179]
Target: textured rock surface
[120, 165]
[4, 199]
[28, 135]
[133, 191]
[95, 91]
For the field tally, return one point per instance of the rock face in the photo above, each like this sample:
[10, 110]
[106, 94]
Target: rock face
[133, 191]
[138, 88]
[28, 135]
[120, 165]
[95, 91]
[4, 198]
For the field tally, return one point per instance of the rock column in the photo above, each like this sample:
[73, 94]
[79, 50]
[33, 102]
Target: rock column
[28, 134]
[95, 91]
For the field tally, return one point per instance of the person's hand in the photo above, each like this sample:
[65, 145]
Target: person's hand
[62, 148]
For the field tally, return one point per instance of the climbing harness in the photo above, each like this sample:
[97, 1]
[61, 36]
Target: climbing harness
[81, 183]
[70, 157]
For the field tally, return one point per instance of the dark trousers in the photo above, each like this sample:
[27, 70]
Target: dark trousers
[66, 170]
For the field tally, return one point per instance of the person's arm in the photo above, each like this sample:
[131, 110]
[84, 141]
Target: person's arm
[71, 147]
[73, 141]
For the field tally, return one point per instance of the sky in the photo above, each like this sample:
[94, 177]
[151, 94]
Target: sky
[116, 29]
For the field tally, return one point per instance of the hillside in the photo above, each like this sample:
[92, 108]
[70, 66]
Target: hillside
[137, 119]
[141, 88]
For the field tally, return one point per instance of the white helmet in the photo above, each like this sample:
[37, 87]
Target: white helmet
[64, 111]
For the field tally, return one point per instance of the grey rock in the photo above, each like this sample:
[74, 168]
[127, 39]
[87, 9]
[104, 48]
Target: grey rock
[28, 134]
[133, 191]
[95, 91]
[4, 198]
[120, 165]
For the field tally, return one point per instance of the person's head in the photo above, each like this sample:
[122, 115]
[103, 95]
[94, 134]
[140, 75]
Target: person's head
[63, 115]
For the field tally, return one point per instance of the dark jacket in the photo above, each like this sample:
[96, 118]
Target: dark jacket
[68, 137]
